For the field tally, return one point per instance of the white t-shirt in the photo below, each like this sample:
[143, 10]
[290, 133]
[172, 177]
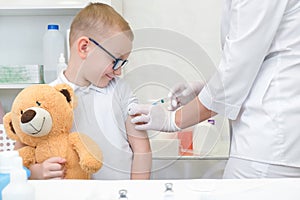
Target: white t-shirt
[101, 114]
[257, 83]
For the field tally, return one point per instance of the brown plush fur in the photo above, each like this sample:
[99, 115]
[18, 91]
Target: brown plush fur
[82, 154]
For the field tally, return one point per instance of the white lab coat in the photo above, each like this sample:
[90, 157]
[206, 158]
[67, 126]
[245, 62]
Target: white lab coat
[257, 85]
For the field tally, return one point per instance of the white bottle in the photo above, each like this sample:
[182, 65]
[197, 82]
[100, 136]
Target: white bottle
[53, 46]
[61, 64]
[18, 188]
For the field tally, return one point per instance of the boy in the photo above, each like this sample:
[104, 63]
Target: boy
[100, 43]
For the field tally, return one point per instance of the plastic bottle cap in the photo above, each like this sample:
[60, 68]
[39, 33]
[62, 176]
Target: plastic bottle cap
[8, 160]
[53, 27]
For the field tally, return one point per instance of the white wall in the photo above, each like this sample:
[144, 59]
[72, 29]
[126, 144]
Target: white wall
[184, 43]
[196, 19]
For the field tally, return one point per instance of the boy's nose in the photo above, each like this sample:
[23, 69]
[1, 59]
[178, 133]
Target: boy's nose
[118, 72]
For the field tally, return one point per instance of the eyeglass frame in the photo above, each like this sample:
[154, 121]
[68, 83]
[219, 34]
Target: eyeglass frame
[116, 60]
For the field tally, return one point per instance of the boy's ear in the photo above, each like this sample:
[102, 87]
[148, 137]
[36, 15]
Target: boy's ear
[83, 47]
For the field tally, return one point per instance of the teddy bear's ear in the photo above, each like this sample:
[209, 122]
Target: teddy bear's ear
[9, 128]
[67, 91]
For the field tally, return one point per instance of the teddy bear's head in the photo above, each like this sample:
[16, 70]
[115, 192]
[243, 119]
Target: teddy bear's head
[39, 112]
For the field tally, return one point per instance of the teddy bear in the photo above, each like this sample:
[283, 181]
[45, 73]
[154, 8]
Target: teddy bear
[41, 118]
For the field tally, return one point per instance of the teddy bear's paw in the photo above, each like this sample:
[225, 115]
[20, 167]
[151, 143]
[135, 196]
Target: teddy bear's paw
[89, 153]
[27, 154]
[90, 165]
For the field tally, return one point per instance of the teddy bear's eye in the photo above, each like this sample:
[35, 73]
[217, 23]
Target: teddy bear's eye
[38, 103]
[21, 112]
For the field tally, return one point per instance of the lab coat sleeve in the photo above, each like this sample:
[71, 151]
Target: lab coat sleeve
[252, 28]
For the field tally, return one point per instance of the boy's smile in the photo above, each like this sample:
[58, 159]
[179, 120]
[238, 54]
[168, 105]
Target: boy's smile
[109, 76]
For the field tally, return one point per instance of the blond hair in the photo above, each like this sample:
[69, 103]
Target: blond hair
[98, 19]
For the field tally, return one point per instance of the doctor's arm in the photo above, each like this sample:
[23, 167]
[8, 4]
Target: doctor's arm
[142, 155]
[192, 113]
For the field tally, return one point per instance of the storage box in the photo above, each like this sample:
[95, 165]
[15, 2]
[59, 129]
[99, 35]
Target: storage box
[21, 74]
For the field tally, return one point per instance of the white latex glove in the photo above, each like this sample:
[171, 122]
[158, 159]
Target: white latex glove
[152, 117]
[183, 93]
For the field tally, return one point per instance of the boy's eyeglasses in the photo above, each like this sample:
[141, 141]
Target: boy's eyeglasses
[118, 62]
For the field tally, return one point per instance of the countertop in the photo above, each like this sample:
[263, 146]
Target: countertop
[192, 189]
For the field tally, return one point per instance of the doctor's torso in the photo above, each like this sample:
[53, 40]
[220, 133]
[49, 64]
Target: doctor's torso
[266, 127]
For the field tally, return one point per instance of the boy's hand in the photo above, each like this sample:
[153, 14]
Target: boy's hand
[52, 168]
[183, 93]
[152, 117]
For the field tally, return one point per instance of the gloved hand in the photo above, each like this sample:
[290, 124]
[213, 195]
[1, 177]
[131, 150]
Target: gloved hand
[152, 117]
[183, 93]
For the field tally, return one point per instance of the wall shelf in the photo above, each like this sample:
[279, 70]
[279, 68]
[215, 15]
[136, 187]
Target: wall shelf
[45, 7]
[39, 11]
[15, 86]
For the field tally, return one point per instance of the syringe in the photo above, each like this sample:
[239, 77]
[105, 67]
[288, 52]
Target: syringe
[165, 100]
[161, 101]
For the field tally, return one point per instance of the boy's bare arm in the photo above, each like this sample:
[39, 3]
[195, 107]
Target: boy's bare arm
[142, 156]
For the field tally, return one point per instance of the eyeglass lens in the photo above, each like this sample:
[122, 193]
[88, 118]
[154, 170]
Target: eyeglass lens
[118, 63]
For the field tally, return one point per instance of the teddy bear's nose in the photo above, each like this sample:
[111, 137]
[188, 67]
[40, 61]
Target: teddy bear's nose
[27, 116]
